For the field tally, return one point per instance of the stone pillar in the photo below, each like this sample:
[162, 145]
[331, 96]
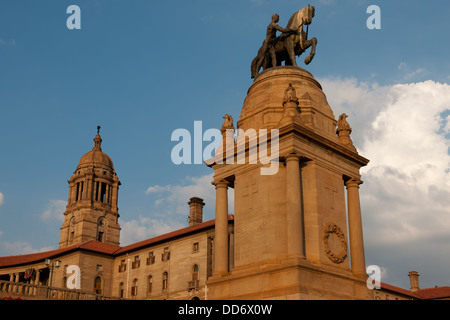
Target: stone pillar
[355, 228]
[108, 186]
[295, 239]
[221, 228]
[114, 195]
[11, 280]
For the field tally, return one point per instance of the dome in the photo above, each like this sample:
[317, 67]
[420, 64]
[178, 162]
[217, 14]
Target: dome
[96, 157]
[263, 105]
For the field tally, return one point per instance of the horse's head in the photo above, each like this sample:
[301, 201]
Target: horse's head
[303, 16]
[308, 14]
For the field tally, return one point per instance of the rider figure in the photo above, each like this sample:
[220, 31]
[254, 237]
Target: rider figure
[268, 44]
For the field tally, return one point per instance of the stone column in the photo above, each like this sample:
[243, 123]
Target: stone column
[115, 194]
[355, 228]
[295, 239]
[11, 280]
[221, 228]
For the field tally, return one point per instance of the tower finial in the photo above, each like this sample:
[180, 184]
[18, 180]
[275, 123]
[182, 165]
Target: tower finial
[97, 140]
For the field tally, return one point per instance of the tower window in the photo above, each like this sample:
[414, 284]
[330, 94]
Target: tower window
[81, 190]
[103, 192]
[100, 236]
[78, 191]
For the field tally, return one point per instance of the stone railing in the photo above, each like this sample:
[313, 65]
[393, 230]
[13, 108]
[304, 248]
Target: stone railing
[39, 292]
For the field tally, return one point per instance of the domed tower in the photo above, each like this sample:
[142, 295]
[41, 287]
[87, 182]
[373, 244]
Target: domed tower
[91, 212]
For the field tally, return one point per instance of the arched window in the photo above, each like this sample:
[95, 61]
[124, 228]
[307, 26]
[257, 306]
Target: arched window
[195, 272]
[149, 285]
[134, 288]
[165, 282]
[101, 229]
[98, 285]
[121, 290]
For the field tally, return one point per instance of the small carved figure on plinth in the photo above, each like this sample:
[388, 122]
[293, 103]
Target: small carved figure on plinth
[343, 131]
[290, 103]
[228, 124]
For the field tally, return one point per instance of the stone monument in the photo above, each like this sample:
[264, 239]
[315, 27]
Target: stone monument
[290, 237]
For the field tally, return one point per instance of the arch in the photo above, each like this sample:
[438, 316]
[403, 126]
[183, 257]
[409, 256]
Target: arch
[194, 272]
[121, 290]
[149, 285]
[98, 285]
[165, 280]
[134, 288]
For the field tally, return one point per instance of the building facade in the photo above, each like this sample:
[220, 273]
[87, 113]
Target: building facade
[295, 232]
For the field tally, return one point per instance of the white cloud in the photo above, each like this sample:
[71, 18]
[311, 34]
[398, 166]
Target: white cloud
[405, 197]
[172, 201]
[407, 73]
[8, 43]
[144, 228]
[175, 197]
[21, 247]
[54, 210]
[2, 199]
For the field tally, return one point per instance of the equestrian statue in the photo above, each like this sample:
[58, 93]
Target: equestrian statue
[292, 42]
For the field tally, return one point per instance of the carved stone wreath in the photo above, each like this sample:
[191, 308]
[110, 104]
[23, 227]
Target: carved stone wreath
[336, 257]
[102, 223]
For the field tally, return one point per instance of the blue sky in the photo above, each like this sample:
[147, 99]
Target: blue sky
[142, 69]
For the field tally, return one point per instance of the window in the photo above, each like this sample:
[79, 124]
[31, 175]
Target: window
[195, 247]
[136, 263]
[100, 236]
[195, 272]
[165, 282]
[98, 285]
[122, 266]
[149, 285]
[77, 191]
[99, 267]
[121, 290]
[134, 288]
[81, 190]
[151, 258]
[102, 192]
[166, 254]
[193, 284]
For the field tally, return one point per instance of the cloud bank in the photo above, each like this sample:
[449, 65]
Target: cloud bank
[404, 131]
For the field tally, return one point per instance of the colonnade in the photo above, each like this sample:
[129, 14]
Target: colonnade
[295, 219]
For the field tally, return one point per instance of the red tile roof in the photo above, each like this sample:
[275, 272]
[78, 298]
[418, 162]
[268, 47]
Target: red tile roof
[40, 256]
[100, 247]
[170, 235]
[423, 294]
[398, 290]
[434, 293]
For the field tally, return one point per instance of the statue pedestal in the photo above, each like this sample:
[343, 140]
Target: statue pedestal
[290, 228]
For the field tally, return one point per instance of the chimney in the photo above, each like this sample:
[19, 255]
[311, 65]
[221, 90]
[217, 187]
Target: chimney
[196, 211]
[414, 280]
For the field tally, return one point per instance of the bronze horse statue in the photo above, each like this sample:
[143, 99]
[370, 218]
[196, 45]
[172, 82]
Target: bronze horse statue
[288, 45]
